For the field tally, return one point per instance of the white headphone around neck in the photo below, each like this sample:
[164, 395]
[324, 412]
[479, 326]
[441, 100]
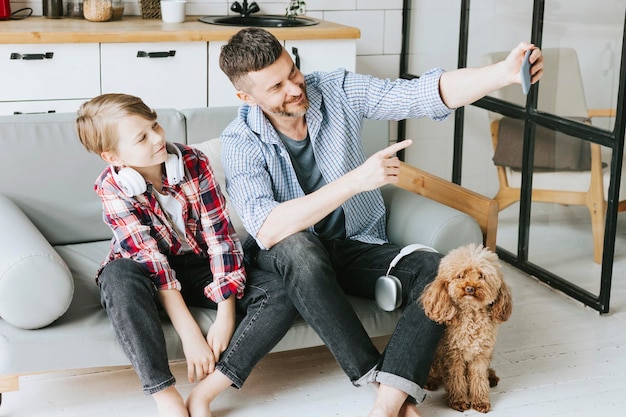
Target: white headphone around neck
[133, 183]
[388, 290]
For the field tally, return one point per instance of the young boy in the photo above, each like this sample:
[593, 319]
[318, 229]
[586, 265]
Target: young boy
[173, 246]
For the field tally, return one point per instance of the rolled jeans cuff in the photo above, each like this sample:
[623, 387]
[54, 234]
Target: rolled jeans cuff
[365, 379]
[415, 392]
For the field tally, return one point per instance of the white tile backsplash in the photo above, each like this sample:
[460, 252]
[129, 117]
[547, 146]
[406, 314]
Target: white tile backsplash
[371, 24]
[392, 44]
[379, 5]
[331, 4]
[381, 66]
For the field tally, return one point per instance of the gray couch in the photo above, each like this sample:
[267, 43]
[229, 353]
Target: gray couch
[53, 240]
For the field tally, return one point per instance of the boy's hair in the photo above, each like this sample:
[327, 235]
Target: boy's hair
[96, 123]
[250, 49]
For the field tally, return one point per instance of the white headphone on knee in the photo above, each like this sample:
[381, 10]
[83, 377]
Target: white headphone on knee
[388, 290]
[133, 183]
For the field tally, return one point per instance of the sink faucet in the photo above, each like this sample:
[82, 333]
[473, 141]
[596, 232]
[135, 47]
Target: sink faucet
[243, 9]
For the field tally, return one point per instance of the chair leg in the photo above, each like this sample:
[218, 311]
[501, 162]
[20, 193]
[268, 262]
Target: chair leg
[597, 212]
[596, 203]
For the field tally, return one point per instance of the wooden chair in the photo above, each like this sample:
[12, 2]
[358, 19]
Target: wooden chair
[561, 93]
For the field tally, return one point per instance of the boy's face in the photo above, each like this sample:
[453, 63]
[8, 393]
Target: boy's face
[278, 89]
[141, 143]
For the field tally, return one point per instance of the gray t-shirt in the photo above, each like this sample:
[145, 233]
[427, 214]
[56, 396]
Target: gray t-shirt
[310, 179]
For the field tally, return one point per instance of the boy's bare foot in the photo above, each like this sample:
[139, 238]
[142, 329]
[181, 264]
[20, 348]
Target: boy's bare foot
[170, 403]
[200, 398]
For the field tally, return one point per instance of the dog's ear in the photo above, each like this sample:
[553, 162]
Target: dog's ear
[503, 306]
[436, 301]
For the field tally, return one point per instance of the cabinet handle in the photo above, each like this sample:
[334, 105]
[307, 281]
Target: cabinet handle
[165, 54]
[47, 55]
[36, 112]
[294, 51]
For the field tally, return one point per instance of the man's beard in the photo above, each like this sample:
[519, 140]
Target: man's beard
[282, 111]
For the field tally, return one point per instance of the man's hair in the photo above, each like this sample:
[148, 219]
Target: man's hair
[96, 123]
[250, 49]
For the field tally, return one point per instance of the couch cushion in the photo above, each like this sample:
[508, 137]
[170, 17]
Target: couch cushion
[84, 336]
[412, 218]
[36, 286]
[50, 176]
[205, 123]
[213, 149]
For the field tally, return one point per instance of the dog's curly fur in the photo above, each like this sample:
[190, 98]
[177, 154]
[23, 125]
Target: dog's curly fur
[470, 297]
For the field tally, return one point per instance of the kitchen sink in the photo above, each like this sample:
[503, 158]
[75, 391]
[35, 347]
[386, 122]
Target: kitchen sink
[270, 21]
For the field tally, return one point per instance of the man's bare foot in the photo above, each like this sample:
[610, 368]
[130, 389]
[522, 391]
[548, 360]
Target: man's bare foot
[409, 409]
[170, 403]
[389, 402]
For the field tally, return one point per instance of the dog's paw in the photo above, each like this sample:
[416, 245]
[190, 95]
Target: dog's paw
[482, 407]
[493, 378]
[432, 384]
[459, 405]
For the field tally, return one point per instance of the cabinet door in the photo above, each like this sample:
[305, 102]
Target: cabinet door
[314, 55]
[49, 71]
[43, 106]
[221, 90]
[323, 55]
[162, 74]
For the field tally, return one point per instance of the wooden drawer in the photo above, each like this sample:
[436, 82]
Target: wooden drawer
[170, 74]
[49, 71]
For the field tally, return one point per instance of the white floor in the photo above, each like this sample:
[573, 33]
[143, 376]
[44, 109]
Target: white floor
[554, 356]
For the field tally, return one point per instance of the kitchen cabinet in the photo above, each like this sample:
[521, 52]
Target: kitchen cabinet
[48, 77]
[312, 55]
[163, 74]
[57, 64]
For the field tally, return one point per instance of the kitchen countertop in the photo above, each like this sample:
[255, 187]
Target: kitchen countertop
[37, 29]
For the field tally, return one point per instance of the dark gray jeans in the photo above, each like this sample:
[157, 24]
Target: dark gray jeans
[318, 275]
[129, 297]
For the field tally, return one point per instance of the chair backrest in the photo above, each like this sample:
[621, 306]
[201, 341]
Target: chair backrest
[561, 89]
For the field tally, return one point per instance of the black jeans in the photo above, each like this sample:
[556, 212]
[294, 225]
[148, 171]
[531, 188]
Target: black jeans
[319, 274]
[129, 297]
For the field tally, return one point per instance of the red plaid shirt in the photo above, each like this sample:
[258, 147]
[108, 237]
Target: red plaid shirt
[143, 233]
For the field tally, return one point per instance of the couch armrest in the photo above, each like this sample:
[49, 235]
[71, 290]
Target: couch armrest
[36, 286]
[483, 209]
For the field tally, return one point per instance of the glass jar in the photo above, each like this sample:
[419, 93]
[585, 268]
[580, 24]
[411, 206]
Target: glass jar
[118, 9]
[74, 9]
[53, 9]
[98, 10]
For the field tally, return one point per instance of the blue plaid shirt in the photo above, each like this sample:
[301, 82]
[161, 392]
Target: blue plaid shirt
[258, 169]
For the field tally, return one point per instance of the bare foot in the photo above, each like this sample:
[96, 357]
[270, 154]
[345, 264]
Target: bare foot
[170, 403]
[200, 398]
[409, 410]
[389, 402]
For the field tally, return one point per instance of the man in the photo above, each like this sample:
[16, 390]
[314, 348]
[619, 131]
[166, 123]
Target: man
[297, 175]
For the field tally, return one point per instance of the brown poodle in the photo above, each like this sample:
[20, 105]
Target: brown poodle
[470, 297]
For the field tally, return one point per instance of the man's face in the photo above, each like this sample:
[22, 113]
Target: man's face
[278, 89]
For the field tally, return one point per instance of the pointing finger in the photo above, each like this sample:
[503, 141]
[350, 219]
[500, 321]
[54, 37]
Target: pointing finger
[391, 150]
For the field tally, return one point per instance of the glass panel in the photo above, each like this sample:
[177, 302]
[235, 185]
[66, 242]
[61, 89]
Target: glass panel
[562, 233]
[495, 28]
[430, 46]
[582, 47]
